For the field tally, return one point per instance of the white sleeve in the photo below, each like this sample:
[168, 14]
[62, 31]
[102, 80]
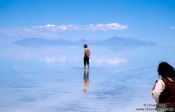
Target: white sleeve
[159, 87]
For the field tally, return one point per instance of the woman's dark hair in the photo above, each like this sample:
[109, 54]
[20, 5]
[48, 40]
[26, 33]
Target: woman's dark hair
[85, 46]
[166, 70]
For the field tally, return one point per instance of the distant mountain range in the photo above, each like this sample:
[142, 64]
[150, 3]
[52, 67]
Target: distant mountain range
[113, 41]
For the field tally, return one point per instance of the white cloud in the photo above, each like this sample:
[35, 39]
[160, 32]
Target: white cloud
[90, 27]
[50, 25]
[54, 30]
[106, 27]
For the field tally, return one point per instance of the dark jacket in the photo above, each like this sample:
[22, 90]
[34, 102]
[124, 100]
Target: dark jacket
[168, 95]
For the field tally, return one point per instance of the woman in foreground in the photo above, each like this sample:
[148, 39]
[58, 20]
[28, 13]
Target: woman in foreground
[164, 90]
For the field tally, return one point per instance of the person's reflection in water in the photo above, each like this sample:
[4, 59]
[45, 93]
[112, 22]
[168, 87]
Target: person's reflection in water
[86, 81]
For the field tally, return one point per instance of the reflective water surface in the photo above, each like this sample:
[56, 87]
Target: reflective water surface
[52, 79]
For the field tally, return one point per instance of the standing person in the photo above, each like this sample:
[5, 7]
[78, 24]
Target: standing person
[164, 89]
[86, 56]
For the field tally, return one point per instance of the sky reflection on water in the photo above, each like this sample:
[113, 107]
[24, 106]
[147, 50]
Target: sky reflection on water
[29, 84]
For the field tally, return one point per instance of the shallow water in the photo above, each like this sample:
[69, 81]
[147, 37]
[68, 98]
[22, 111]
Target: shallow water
[51, 79]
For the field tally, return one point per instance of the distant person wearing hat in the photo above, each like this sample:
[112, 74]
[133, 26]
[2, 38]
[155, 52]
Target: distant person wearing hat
[86, 56]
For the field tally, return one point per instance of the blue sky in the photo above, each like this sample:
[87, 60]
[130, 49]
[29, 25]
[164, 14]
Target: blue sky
[152, 20]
